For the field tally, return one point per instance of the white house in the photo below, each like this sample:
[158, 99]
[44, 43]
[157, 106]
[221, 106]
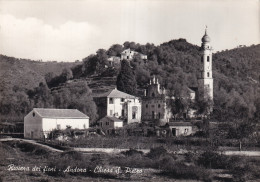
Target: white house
[40, 121]
[114, 60]
[128, 54]
[109, 123]
[180, 128]
[120, 105]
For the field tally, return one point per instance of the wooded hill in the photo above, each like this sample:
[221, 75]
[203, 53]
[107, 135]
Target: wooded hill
[175, 63]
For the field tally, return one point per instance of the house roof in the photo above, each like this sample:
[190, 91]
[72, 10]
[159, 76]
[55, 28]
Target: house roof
[113, 119]
[179, 124]
[59, 113]
[117, 94]
[193, 89]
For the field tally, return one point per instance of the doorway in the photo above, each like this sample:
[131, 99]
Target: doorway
[174, 131]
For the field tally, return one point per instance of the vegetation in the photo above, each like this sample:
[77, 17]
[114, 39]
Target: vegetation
[126, 79]
[175, 63]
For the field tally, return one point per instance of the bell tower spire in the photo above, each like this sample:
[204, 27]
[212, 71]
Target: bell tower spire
[205, 81]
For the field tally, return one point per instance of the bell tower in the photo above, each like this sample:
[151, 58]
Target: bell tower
[205, 81]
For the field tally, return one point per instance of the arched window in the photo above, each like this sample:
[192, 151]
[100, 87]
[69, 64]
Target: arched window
[208, 58]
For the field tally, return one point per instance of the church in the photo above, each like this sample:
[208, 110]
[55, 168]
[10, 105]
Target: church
[154, 102]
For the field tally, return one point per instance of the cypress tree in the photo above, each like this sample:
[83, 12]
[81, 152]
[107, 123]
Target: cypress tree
[126, 81]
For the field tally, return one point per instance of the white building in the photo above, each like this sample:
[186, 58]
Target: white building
[40, 122]
[114, 60]
[128, 54]
[120, 105]
[109, 123]
[180, 128]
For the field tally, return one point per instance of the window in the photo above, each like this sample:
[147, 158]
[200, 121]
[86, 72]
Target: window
[207, 58]
[122, 100]
[111, 101]
[111, 112]
[152, 114]
[159, 105]
[134, 115]
[33, 114]
[208, 74]
[123, 112]
[146, 106]
[127, 57]
[202, 59]
[153, 94]
[101, 124]
[159, 115]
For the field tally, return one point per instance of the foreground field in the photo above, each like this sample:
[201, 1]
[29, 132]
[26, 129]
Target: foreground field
[23, 161]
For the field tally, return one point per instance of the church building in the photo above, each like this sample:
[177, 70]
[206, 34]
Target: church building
[154, 103]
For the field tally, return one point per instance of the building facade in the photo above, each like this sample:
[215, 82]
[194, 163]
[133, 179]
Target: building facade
[109, 123]
[40, 121]
[180, 128]
[120, 105]
[154, 103]
[114, 61]
[128, 54]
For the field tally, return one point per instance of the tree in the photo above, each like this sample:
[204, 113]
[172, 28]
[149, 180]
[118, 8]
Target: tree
[115, 50]
[66, 74]
[179, 100]
[126, 79]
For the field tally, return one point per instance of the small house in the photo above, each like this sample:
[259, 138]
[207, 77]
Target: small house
[180, 128]
[108, 123]
[41, 121]
[129, 54]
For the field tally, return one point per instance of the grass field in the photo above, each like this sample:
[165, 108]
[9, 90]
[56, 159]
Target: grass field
[22, 161]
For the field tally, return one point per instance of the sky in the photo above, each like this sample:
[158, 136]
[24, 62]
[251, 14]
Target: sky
[69, 30]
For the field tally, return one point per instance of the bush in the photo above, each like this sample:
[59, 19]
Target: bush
[181, 171]
[210, 159]
[155, 153]
[132, 152]
[190, 156]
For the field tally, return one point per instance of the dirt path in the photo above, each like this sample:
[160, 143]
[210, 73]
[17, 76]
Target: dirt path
[32, 142]
[115, 150]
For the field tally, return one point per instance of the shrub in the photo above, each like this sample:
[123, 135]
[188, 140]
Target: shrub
[214, 160]
[181, 171]
[136, 160]
[190, 156]
[132, 152]
[155, 153]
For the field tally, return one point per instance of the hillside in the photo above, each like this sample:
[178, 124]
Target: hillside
[26, 74]
[175, 63]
